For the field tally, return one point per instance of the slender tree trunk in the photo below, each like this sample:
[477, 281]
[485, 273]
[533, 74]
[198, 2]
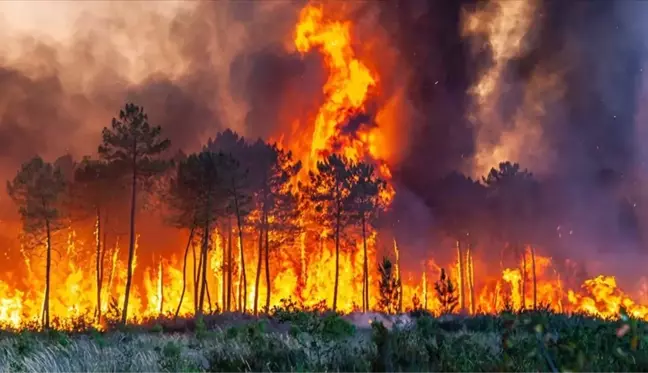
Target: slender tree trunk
[131, 246]
[209, 301]
[224, 272]
[184, 272]
[199, 275]
[267, 265]
[203, 269]
[365, 269]
[230, 267]
[462, 294]
[48, 268]
[535, 284]
[258, 271]
[337, 259]
[243, 276]
[471, 279]
[161, 311]
[524, 278]
[196, 273]
[102, 261]
[98, 265]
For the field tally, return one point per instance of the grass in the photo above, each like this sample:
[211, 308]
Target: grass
[315, 341]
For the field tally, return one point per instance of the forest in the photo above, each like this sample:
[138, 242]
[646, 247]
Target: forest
[249, 201]
[259, 196]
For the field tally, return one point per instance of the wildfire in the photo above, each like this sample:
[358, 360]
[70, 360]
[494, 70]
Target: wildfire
[304, 270]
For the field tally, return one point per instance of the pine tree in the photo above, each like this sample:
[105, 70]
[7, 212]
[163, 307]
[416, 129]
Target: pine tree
[366, 203]
[446, 292]
[389, 287]
[38, 190]
[133, 146]
[330, 192]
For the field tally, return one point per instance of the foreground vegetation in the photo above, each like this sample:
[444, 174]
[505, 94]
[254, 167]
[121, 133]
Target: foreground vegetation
[311, 341]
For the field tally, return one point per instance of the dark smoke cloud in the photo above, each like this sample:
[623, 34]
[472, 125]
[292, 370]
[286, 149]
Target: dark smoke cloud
[224, 64]
[590, 134]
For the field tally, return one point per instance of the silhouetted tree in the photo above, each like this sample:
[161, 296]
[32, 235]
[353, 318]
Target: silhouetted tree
[446, 292]
[366, 202]
[133, 146]
[94, 190]
[389, 285]
[329, 190]
[37, 190]
[460, 203]
[237, 183]
[272, 172]
[183, 203]
[514, 198]
[199, 199]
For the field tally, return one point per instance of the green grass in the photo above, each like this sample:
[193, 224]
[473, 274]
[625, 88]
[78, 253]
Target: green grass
[313, 341]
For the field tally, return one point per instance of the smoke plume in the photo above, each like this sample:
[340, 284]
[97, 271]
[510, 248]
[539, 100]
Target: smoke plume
[555, 86]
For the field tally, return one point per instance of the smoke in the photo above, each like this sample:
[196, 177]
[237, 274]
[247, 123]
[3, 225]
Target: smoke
[564, 96]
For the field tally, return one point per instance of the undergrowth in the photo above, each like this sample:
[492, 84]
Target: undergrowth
[319, 340]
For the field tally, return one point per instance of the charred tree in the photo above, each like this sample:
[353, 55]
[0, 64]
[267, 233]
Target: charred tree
[446, 293]
[389, 288]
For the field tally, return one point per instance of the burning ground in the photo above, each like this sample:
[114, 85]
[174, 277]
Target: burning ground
[436, 98]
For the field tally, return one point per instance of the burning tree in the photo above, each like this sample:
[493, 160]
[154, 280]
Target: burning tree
[390, 293]
[513, 196]
[366, 201]
[183, 203]
[94, 190]
[38, 189]
[234, 173]
[446, 292]
[460, 202]
[134, 147]
[199, 199]
[272, 173]
[330, 191]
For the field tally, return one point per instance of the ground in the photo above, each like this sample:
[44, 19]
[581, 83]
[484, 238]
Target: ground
[304, 341]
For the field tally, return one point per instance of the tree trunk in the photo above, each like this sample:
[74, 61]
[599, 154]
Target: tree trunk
[203, 269]
[209, 301]
[524, 278]
[267, 265]
[184, 272]
[230, 267]
[243, 276]
[131, 247]
[258, 271]
[471, 279]
[98, 264]
[365, 269]
[462, 294]
[102, 262]
[48, 268]
[535, 284]
[224, 272]
[196, 274]
[337, 259]
[161, 311]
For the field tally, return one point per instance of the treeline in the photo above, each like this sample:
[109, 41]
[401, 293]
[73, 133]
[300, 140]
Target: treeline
[253, 189]
[230, 184]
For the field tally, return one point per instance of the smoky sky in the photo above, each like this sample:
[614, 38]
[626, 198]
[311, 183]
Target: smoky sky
[225, 64]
